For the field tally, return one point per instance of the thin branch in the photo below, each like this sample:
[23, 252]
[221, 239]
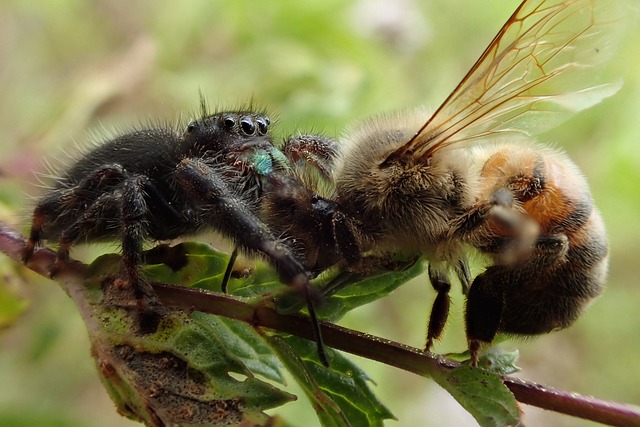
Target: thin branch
[396, 354]
[351, 341]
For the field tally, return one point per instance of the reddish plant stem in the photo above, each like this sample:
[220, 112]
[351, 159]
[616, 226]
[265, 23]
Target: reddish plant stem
[351, 341]
[396, 354]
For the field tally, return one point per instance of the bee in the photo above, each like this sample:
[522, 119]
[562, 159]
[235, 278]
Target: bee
[159, 183]
[471, 177]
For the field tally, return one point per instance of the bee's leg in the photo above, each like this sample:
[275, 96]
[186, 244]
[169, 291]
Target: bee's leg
[499, 205]
[550, 249]
[487, 311]
[463, 273]
[229, 270]
[483, 314]
[233, 217]
[495, 227]
[315, 150]
[441, 305]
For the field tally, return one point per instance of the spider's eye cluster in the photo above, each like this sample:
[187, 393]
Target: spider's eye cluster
[254, 125]
[263, 125]
[248, 125]
[229, 122]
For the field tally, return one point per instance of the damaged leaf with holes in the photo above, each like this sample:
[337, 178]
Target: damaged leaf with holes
[201, 369]
[193, 369]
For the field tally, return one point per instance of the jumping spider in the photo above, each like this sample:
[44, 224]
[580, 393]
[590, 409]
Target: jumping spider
[156, 183]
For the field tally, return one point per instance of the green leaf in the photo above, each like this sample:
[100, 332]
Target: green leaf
[340, 395]
[482, 394]
[494, 359]
[356, 291]
[345, 291]
[193, 369]
[203, 267]
[499, 361]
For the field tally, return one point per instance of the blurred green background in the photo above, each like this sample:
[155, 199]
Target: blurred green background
[71, 68]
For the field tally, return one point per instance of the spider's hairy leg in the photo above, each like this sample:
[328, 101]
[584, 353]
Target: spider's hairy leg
[103, 207]
[40, 217]
[234, 218]
[67, 200]
[133, 214]
[316, 151]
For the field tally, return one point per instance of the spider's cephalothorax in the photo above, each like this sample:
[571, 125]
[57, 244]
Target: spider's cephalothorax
[157, 183]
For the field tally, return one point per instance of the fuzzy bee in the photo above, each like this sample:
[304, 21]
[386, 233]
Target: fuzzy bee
[471, 177]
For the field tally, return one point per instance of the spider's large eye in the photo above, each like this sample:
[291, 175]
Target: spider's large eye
[229, 122]
[248, 126]
[191, 127]
[263, 125]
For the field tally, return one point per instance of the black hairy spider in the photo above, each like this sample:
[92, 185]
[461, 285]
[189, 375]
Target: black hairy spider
[156, 183]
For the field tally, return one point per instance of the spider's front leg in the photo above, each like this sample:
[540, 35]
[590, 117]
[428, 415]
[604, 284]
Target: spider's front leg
[232, 216]
[294, 205]
[314, 151]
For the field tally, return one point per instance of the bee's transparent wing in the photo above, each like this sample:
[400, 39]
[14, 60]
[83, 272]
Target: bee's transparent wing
[542, 67]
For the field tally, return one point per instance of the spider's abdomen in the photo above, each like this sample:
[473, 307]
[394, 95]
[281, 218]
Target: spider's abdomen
[151, 152]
